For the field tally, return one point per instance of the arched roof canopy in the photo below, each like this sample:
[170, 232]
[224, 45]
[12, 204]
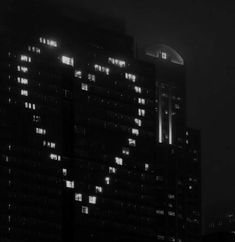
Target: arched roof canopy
[165, 52]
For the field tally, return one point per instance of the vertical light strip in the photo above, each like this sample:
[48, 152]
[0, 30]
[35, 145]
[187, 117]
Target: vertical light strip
[159, 115]
[170, 116]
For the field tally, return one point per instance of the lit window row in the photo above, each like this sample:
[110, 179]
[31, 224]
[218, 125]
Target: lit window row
[102, 69]
[34, 49]
[84, 86]
[98, 189]
[138, 122]
[67, 60]
[30, 106]
[49, 42]
[23, 69]
[141, 101]
[91, 77]
[112, 170]
[120, 63]
[49, 144]
[119, 161]
[40, 131]
[85, 210]
[22, 80]
[160, 212]
[55, 157]
[24, 93]
[25, 58]
[130, 77]
[132, 142]
[125, 151]
[78, 74]
[141, 112]
[135, 132]
[137, 89]
[171, 213]
[70, 184]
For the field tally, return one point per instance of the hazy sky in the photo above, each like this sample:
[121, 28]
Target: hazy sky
[203, 33]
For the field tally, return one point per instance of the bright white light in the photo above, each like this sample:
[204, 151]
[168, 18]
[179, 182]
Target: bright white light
[164, 55]
[135, 132]
[99, 189]
[132, 142]
[119, 161]
[78, 197]
[112, 170]
[138, 122]
[141, 112]
[130, 77]
[138, 89]
[40, 131]
[22, 80]
[67, 60]
[25, 58]
[141, 101]
[78, 74]
[23, 69]
[70, 184]
[84, 87]
[92, 199]
[64, 171]
[117, 62]
[107, 180]
[146, 166]
[91, 77]
[125, 151]
[85, 210]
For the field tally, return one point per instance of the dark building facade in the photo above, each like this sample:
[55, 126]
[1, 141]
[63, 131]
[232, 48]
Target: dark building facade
[94, 142]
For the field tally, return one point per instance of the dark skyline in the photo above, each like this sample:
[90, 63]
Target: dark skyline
[202, 33]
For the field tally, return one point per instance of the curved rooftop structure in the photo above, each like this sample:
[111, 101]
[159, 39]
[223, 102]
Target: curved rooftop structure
[165, 52]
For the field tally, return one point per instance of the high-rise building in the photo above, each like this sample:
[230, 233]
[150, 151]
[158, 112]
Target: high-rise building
[93, 140]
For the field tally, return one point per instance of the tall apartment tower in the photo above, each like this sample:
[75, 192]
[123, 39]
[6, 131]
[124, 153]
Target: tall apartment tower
[92, 146]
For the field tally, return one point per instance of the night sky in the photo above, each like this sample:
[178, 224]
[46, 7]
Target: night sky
[204, 34]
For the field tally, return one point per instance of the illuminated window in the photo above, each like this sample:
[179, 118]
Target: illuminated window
[130, 77]
[78, 74]
[34, 49]
[67, 60]
[138, 89]
[164, 55]
[132, 142]
[141, 112]
[78, 197]
[112, 170]
[117, 62]
[23, 69]
[55, 157]
[22, 80]
[85, 210]
[138, 122]
[64, 171]
[119, 161]
[171, 196]
[125, 151]
[84, 87]
[146, 166]
[190, 187]
[102, 69]
[40, 131]
[48, 42]
[25, 58]
[107, 180]
[171, 213]
[91, 77]
[92, 199]
[98, 189]
[141, 101]
[24, 92]
[36, 118]
[135, 132]
[160, 212]
[70, 184]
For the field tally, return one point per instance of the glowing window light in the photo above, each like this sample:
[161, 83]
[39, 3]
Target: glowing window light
[119, 161]
[141, 101]
[171, 196]
[117, 62]
[34, 49]
[98, 189]
[84, 87]
[99, 68]
[67, 60]
[85, 210]
[48, 42]
[22, 80]
[112, 170]
[92, 199]
[160, 212]
[125, 151]
[138, 122]
[137, 89]
[164, 55]
[91, 77]
[146, 167]
[171, 213]
[135, 132]
[24, 92]
[141, 112]
[132, 142]
[78, 74]
[70, 184]
[40, 131]
[130, 77]
[25, 58]
[23, 69]
[78, 197]
[107, 180]
[64, 172]
[55, 157]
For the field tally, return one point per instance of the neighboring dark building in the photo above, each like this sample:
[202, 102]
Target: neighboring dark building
[219, 237]
[94, 142]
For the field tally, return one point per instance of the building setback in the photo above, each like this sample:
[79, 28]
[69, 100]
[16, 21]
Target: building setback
[94, 145]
